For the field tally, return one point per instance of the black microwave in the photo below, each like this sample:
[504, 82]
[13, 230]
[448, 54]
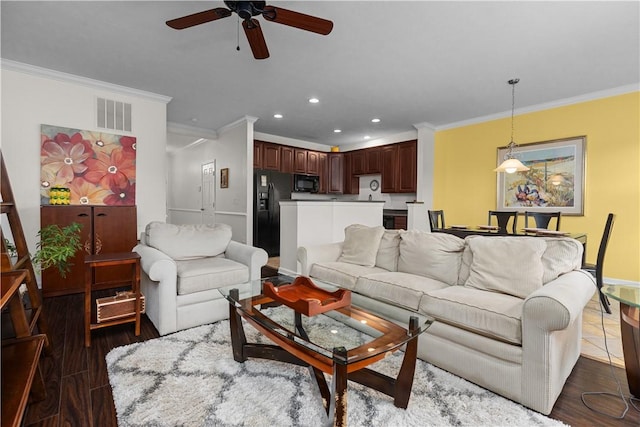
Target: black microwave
[306, 183]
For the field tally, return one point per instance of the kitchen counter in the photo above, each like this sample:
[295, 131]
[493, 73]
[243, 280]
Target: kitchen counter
[313, 222]
[333, 201]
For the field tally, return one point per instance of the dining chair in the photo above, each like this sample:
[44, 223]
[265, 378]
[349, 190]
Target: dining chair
[503, 219]
[436, 219]
[542, 219]
[597, 268]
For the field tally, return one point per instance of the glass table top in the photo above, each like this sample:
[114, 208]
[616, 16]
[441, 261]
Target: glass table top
[626, 294]
[361, 333]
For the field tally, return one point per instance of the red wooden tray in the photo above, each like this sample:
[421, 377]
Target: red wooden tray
[306, 298]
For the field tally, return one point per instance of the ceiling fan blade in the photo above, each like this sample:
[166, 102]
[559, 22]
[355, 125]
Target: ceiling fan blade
[256, 39]
[298, 20]
[199, 18]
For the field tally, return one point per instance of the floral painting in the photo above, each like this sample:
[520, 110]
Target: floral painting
[99, 168]
[554, 181]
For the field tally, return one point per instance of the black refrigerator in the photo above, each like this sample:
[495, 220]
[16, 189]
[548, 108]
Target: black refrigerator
[270, 187]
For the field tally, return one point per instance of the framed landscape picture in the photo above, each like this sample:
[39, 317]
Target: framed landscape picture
[554, 181]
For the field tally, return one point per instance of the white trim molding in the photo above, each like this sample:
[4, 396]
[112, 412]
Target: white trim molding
[621, 90]
[7, 64]
[185, 130]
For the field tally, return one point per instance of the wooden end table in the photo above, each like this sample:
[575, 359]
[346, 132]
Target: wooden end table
[92, 262]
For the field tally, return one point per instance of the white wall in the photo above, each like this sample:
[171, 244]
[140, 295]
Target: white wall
[33, 96]
[232, 149]
[184, 185]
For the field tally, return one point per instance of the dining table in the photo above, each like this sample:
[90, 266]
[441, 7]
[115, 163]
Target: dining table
[464, 231]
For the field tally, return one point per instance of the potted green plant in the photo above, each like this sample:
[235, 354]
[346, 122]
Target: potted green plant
[57, 246]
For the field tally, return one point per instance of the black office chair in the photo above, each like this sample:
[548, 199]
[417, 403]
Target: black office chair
[596, 269]
[436, 219]
[542, 219]
[503, 220]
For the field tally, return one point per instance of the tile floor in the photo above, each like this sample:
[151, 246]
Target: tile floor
[593, 337]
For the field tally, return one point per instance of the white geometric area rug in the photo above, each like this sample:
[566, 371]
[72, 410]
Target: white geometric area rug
[190, 379]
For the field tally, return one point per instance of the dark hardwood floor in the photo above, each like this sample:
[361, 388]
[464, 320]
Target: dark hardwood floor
[79, 394]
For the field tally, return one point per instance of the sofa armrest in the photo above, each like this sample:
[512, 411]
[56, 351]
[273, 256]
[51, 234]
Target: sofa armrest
[558, 303]
[309, 255]
[159, 284]
[252, 257]
[156, 264]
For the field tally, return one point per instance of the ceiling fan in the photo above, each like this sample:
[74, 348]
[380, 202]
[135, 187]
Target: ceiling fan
[247, 10]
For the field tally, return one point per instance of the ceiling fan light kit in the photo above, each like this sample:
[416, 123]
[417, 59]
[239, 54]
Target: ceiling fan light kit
[510, 163]
[246, 10]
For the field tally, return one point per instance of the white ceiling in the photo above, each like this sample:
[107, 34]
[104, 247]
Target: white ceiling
[404, 62]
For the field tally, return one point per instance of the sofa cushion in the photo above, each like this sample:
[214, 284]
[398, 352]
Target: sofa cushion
[389, 250]
[488, 313]
[188, 241]
[342, 274]
[434, 255]
[563, 254]
[361, 244]
[511, 265]
[209, 273]
[397, 288]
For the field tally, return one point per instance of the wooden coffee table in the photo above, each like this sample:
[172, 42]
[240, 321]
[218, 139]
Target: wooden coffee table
[327, 350]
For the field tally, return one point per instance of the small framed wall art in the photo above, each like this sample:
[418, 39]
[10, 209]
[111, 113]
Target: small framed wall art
[224, 178]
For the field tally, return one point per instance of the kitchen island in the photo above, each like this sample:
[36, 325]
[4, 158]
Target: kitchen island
[314, 222]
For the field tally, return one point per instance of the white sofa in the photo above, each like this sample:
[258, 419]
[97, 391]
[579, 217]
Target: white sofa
[507, 310]
[182, 268]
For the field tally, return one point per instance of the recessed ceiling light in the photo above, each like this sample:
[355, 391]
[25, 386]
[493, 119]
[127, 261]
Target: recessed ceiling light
[314, 100]
[277, 116]
[376, 120]
[337, 130]
[367, 137]
[194, 120]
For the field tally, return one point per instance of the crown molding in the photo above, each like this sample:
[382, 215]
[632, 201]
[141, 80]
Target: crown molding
[424, 125]
[9, 65]
[185, 130]
[293, 142]
[245, 120]
[620, 90]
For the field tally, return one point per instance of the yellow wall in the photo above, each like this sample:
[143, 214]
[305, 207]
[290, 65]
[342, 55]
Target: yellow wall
[465, 184]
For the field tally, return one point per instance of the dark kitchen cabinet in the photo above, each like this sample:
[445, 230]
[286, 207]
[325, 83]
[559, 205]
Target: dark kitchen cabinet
[335, 173]
[286, 162]
[105, 229]
[407, 167]
[389, 162]
[373, 160]
[271, 156]
[313, 163]
[359, 162]
[400, 222]
[399, 165]
[257, 154]
[323, 170]
[299, 160]
[351, 181]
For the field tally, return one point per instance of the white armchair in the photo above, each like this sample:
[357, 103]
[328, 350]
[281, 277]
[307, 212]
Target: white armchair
[182, 268]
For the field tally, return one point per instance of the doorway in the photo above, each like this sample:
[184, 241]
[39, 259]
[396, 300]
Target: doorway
[208, 206]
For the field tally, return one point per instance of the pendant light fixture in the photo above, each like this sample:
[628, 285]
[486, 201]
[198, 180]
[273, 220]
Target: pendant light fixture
[510, 163]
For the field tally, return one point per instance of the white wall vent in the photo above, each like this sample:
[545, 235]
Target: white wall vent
[114, 115]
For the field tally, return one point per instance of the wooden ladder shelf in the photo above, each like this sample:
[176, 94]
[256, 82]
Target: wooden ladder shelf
[23, 259]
